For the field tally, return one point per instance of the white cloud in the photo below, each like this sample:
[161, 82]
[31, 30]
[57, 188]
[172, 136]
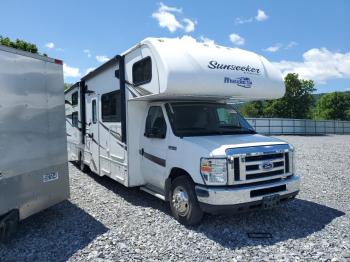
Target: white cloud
[241, 21]
[167, 20]
[291, 45]
[191, 40]
[71, 71]
[87, 52]
[273, 48]
[236, 39]
[189, 27]
[102, 58]
[319, 64]
[276, 47]
[206, 40]
[261, 16]
[50, 45]
[165, 8]
[90, 69]
[166, 17]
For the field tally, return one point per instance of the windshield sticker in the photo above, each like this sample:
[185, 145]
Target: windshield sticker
[240, 81]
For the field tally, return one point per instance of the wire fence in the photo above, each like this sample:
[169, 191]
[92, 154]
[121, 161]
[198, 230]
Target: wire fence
[281, 126]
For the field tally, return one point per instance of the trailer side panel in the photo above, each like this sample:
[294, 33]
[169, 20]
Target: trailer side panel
[33, 163]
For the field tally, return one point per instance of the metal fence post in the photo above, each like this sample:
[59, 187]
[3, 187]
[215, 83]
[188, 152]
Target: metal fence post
[293, 126]
[315, 126]
[282, 126]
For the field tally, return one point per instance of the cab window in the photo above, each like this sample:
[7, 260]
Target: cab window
[155, 123]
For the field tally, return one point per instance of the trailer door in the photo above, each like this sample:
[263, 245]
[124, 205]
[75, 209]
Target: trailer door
[92, 132]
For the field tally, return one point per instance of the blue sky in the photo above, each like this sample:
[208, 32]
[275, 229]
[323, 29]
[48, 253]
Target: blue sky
[311, 38]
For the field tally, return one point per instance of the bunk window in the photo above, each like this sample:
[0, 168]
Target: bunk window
[142, 71]
[111, 105]
[94, 112]
[75, 98]
[75, 119]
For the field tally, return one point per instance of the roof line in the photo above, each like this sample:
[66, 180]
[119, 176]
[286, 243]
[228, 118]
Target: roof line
[28, 54]
[99, 69]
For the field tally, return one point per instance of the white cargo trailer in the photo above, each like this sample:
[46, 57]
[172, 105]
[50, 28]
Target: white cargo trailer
[33, 162]
[159, 117]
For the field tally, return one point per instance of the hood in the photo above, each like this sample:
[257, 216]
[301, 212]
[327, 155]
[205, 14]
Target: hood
[217, 145]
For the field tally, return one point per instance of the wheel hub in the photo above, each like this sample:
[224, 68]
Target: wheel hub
[180, 201]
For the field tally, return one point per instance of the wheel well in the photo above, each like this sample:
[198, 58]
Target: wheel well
[174, 173]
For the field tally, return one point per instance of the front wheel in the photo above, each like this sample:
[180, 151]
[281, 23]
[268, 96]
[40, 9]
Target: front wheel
[183, 201]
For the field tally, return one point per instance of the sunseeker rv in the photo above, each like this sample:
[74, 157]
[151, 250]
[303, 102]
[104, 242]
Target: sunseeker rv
[159, 117]
[33, 158]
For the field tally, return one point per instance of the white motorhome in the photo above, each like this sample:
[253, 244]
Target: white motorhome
[159, 117]
[33, 162]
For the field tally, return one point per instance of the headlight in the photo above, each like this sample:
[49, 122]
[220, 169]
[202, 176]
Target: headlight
[214, 171]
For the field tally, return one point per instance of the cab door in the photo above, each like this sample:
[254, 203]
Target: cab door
[154, 148]
[92, 132]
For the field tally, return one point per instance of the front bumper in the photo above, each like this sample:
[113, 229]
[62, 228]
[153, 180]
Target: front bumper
[244, 197]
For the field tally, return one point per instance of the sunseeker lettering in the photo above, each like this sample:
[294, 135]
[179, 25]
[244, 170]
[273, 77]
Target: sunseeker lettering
[248, 69]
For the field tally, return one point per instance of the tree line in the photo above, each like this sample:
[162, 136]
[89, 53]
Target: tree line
[19, 44]
[299, 102]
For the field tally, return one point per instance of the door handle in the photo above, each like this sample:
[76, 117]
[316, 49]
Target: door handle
[142, 151]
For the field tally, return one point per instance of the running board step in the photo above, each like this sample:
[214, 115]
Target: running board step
[153, 193]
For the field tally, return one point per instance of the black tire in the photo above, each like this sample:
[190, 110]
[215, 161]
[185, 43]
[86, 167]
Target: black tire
[8, 225]
[193, 214]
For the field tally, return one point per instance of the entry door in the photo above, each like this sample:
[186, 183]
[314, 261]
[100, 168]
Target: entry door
[154, 148]
[92, 132]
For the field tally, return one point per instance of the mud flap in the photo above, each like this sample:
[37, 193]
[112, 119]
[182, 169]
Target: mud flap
[8, 225]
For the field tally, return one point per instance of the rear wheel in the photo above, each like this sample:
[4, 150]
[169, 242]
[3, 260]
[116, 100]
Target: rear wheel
[8, 225]
[183, 201]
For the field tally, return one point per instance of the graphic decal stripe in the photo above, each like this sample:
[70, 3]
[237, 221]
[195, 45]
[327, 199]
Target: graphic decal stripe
[153, 158]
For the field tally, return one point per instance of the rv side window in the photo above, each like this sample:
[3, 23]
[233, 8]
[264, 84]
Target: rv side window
[75, 98]
[75, 120]
[142, 71]
[155, 123]
[111, 107]
[94, 112]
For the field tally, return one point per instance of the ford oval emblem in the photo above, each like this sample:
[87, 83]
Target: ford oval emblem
[267, 165]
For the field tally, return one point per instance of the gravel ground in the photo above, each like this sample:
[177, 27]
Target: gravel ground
[103, 221]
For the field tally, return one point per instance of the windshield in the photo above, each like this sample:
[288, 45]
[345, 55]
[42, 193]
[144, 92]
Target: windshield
[201, 119]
